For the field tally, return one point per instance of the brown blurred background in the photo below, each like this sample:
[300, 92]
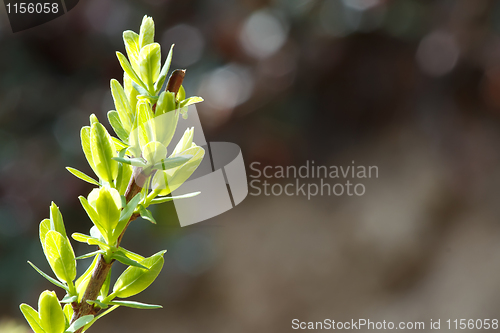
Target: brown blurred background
[410, 86]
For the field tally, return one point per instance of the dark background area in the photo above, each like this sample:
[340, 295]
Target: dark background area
[412, 87]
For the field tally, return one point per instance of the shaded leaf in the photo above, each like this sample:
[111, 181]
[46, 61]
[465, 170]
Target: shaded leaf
[121, 257]
[136, 305]
[79, 323]
[146, 214]
[164, 71]
[52, 280]
[166, 199]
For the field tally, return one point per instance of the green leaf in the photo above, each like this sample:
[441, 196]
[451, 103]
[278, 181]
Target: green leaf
[95, 233]
[134, 280]
[52, 280]
[191, 100]
[147, 31]
[146, 214]
[132, 255]
[136, 305]
[79, 323]
[169, 180]
[114, 120]
[136, 161]
[165, 104]
[98, 303]
[123, 160]
[93, 216]
[91, 254]
[83, 280]
[83, 176]
[125, 215]
[122, 105]
[44, 228]
[56, 220]
[154, 152]
[103, 150]
[150, 64]
[123, 178]
[131, 41]
[89, 240]
[85, 137]
[172, 162]
[164, 71]
[166, 199]
[93, 119]
[105, 287]
[141, 90]
[185, 142]
[127, 68]
[68, 313]
[181, 95]
[51, 313]
[107, 209]
[121, 257]
[145, 123]
[130, 91]
[114, 307]
[69, 299]
[118, 144]
[60, 256]
[32, 318]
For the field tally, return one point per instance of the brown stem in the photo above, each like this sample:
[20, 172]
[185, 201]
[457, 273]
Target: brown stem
[135, 186]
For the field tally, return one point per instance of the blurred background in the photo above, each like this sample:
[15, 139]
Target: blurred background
[410, 86]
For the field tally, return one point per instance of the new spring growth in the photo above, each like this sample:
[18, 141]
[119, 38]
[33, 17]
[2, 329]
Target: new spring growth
[134, 168]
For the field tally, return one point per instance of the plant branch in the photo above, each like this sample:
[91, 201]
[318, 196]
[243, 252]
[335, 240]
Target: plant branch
[102, 268]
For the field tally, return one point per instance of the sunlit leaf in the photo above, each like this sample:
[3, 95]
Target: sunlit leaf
[191, 100]
[150, 63]
[83, 176]
[32, 318]
[60, 256]
[56, 220]
[85, 138]
[122, 105]
[146, 32]
[51, 313]
[107, 208]
[82, 282]
[129, 70]
[93, 216]
[134, 280]
[103, 151]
